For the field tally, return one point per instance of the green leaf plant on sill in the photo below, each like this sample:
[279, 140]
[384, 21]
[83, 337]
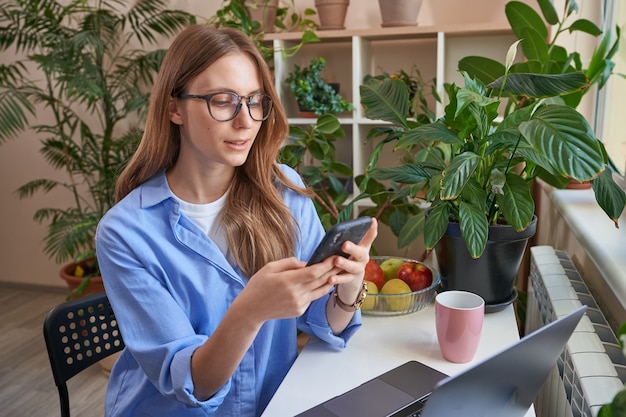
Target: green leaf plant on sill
[311, 151]
[477, 170]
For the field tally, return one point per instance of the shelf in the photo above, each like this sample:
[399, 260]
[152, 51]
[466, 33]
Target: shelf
[395, 33]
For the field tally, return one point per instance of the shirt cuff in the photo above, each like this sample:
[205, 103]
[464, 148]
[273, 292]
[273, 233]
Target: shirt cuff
[181, 377]
[316, 323]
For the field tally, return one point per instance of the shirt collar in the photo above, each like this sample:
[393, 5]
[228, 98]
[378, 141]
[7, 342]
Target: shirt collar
[155, 190]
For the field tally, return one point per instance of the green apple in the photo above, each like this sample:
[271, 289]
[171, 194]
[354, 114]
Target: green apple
[390, 267]
[370, 302]
[396, 287]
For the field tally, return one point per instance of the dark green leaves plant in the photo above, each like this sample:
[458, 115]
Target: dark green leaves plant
[475, 169]
[543, 54]
[311, 151]
[312, 92]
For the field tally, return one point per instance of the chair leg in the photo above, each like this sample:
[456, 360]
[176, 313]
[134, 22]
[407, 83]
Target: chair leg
[64, 400]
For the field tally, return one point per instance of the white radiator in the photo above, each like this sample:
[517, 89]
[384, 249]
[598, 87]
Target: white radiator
[592, 367]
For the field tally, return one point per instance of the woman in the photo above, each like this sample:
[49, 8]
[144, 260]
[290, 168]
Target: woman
[203, 257]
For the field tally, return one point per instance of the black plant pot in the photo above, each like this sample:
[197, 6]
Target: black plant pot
[493, 275]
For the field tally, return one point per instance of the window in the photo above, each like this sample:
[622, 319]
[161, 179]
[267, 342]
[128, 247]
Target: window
[610, 113]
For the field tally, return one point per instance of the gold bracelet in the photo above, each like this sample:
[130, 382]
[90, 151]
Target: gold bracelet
[358, 302]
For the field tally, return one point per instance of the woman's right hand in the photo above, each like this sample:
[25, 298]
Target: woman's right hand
[285, 288]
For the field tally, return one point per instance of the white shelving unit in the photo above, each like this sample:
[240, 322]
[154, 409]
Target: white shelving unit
[352, 54]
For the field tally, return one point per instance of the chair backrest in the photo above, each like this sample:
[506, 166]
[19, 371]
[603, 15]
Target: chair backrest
[78, 334]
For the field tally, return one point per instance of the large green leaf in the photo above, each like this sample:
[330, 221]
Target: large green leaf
[601, 64]
[474, 228]
[341, 169]
[436, 224]
[548, 11]
[466, 97]
[516, 202]
[485, 69]
[457, 174]
[406, 174]
[328, 124]
[565, 138]
[586, 26]
[433, 132]
[534, 45]
[542, 85]
[521, 15]
[386, 99]
[610, 196]
[411, 230]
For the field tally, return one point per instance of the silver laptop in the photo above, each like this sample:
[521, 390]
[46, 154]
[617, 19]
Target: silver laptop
[503, 385]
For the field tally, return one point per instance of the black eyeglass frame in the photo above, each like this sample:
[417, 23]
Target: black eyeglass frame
[208, 97]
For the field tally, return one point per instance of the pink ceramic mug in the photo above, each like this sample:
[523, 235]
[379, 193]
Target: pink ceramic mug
[459, 322]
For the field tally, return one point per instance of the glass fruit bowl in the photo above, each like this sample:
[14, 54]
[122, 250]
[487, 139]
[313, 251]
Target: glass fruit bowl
[398, 304]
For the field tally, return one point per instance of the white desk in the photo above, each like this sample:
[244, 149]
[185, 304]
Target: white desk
[322, 372]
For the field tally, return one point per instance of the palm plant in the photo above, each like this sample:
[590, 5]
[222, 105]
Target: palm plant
[95, 62]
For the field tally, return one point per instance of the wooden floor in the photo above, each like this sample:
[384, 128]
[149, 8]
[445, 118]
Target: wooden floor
[26, 384]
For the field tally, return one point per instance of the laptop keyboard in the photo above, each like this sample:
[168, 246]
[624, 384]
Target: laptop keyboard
[414, 409]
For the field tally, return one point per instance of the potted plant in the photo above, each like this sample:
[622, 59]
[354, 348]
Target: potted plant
[85, 104]
[311, 151]
[544, 55]
[332, 13]
[312, 93]
[264, 12]
[390, 207]
[508, 125]
[399, 12]
[475, 172]
[244, 15]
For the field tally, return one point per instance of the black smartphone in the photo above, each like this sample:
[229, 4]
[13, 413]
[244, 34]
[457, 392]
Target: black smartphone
[352, 230]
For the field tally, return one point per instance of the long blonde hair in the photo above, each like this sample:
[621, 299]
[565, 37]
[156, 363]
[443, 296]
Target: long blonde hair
[259, 227]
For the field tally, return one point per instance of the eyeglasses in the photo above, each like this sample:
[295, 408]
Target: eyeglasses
[225, 106]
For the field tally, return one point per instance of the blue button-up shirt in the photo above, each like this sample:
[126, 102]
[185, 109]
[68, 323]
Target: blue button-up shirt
[170, 287]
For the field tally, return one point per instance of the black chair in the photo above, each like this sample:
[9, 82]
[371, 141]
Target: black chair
[78, 334]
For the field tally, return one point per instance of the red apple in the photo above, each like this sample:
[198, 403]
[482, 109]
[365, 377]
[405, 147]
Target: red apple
[374, 273]
[417, 275]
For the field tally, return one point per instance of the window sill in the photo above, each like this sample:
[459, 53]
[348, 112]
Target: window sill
[604, 244]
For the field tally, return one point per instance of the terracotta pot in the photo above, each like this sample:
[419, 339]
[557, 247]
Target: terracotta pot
[575, 185]
[67, 273]
[264, 12]
[307, 114]
[332, 13]
[399, 12]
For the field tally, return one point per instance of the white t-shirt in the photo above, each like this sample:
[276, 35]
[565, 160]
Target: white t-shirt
[207, 217]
